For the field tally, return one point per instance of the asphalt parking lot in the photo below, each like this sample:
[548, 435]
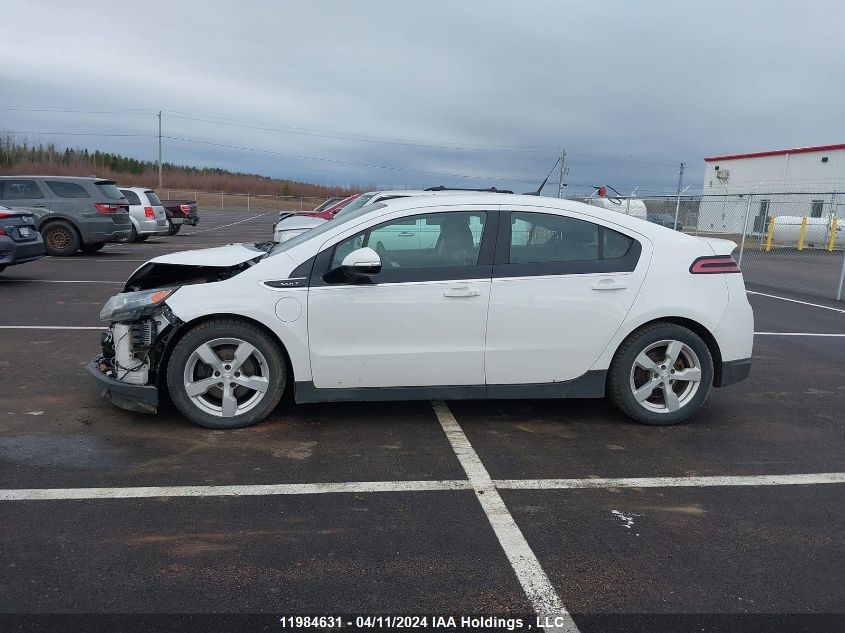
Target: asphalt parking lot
[731, 522]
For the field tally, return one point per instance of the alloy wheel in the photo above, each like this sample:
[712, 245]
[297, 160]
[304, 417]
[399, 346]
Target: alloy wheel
[226, 377]
[665, 376]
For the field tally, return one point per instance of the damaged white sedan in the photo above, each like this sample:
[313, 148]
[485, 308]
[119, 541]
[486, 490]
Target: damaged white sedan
[466, 296]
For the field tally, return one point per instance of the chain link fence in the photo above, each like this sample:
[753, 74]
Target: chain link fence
[786, 241]
[242, 201]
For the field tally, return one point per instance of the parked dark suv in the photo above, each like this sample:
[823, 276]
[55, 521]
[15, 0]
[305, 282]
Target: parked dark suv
[71, 213]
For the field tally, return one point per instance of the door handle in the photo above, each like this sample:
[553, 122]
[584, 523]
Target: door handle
[405, 234]
[40, 206]
[609, 284]
[461, 291]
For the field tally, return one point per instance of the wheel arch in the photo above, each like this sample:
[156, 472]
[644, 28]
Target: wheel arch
[183, 327]
[700, 330]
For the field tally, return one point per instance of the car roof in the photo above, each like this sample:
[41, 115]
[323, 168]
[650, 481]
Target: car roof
[95, 179]
[142, 189]
[494, 200]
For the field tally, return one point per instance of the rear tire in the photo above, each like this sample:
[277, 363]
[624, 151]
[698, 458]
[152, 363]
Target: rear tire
[2, 268]
[141, 238]
[61, 239]
[93, 248]
[226, 351]
[173, 228]
[133, 235]
[646, 376]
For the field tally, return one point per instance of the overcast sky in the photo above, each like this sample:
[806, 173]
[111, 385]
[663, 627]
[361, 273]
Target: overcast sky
[630, 89]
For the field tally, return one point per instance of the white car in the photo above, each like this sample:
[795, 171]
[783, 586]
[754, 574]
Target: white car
[508, 297]
[146, 212]
[292, 225]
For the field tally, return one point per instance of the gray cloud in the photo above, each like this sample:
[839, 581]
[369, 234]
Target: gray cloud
[659, 81]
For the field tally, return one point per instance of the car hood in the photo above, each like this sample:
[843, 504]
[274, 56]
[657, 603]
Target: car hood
[220, 256]
[203, 265]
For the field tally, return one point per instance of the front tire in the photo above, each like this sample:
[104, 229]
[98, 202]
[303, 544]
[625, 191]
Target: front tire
[226, 374]
[61, 239]
[661, 374]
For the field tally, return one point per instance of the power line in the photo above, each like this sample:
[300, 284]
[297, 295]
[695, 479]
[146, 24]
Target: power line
[75, 134]
[345, 162]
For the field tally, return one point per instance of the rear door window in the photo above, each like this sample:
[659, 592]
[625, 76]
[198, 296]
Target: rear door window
[552, 244]
[20, 189]
[131, 196]
[67, 189]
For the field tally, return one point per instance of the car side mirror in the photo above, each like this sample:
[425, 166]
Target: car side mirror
[360, 264]
[363, 262]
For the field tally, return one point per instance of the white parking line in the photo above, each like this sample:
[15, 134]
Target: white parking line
[54, 494]
[672, 482]
[214, 228]
[806, 303]
[536, 584]
[52, 327]
[794, 334]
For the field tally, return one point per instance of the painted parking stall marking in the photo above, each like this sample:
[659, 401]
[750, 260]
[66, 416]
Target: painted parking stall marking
[536, 584]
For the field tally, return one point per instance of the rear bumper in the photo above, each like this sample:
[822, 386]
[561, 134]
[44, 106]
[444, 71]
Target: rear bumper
[12, 252]
[109, 228]
[142, 398]
[734, 371]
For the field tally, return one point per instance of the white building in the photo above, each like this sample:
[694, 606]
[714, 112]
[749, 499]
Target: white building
[788, 182]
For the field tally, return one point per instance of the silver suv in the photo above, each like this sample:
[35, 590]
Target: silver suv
[71, 213]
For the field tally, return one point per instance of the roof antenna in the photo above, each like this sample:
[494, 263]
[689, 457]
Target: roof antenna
[545, 180]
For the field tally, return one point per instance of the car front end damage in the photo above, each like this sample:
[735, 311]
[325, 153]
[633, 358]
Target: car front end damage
[142, 326]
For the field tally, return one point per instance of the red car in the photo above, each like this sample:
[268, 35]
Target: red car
[327, 213]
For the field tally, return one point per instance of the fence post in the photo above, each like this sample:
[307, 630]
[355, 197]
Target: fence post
[832, 241]
[221, 200]
[770, 233]
[744, 229]
[802, 233]
[247, 202]
[841, 278]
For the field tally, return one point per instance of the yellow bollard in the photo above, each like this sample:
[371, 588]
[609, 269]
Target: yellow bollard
[802, 233]
[770, 233]
[832, 239]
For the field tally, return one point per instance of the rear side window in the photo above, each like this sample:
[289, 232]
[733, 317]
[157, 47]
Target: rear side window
[131, 196]
[67, 189]
[153, 198]
[542, 237]
[21, 190]
[108, 191]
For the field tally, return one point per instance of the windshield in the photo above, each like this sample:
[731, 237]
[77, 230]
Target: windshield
[356, 204]
[327, 226]
[108, 190]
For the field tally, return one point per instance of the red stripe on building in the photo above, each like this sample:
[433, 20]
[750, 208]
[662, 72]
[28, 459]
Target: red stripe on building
[778, 152]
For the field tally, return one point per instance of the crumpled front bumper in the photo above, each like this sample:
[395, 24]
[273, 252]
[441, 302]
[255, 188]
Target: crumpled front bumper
[142, 398]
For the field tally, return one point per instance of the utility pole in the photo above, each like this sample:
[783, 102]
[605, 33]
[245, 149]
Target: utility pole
[678, 204]
[561, 173]
[159, 149]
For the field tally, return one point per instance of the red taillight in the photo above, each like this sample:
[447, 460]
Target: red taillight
[106, 207]
[3, 233]
[5, 215]
[712, 264]
[148, 211]
[186, 208]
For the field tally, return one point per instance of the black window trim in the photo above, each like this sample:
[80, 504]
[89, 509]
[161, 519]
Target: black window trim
[482, 270]
[502, 268]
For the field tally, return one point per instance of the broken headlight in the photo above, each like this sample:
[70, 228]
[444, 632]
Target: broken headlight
[130, 306]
